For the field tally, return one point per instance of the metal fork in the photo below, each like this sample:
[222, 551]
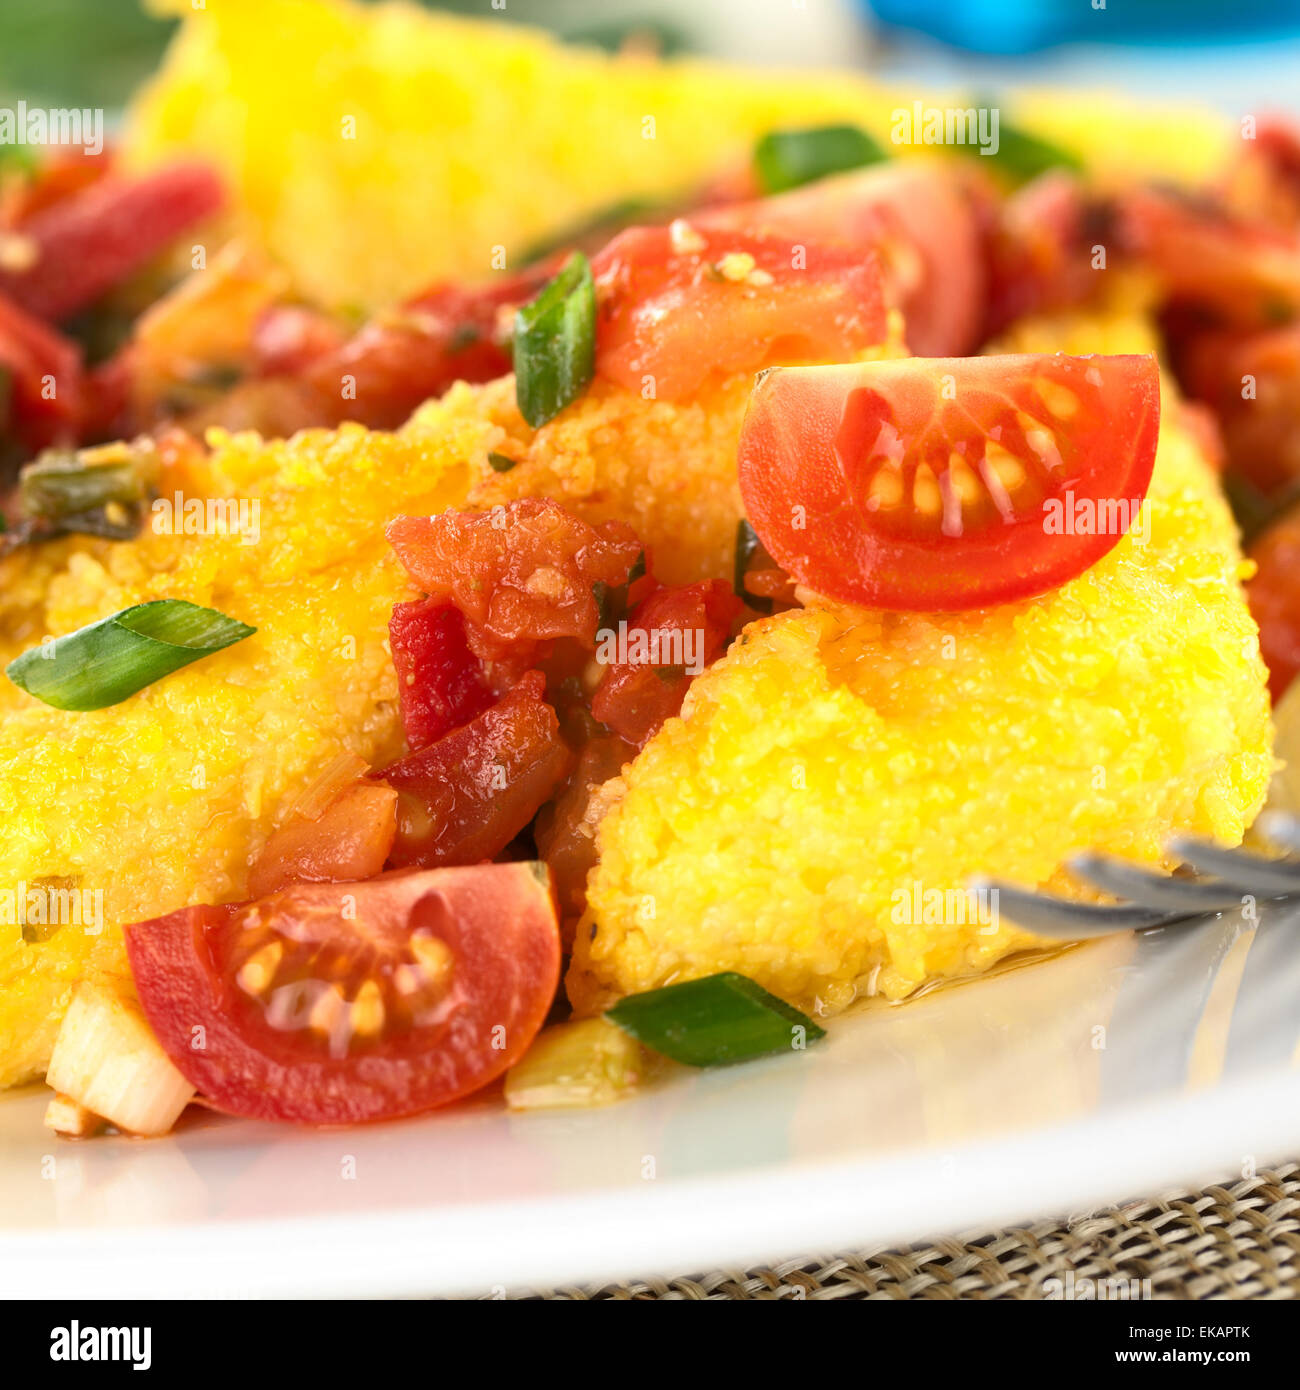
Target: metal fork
[1216, 880]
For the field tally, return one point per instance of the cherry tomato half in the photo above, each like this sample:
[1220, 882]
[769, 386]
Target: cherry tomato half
[682, 304]
[331, 1004]
[948, 483]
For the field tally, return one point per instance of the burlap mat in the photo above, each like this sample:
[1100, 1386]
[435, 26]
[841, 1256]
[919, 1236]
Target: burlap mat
[1236, 1242]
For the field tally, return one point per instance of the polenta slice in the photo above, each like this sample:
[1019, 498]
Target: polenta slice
[839, 768]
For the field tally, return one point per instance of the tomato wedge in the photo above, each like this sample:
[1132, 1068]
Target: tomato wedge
[681, 305]
[948, 483]
[920, 220]
[330, 1004]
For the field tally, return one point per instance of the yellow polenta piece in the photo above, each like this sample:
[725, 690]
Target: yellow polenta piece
[838, 767]
[377, 148]
[164, 799]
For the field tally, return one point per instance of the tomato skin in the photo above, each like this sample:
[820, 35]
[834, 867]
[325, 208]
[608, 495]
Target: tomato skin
[464, 798]
[31, 351]
[920, 220]
[497, 921]
[671, 314]
[351, 839]
[635, 698]
[1274, 598]
[92, 240]
[828, 471]
[440, 682]
[522, 573]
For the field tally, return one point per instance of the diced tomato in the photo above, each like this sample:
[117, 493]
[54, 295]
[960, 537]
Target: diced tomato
[464, 798]
[350, 839]
[288, 338]
[1274, 596]
[671, 632]
[1039, 247]
[948, 483]
[44, 379]
[106, 399]
[684, 304]
[1244, 274]
[520, 573]
[921, 221]
[1252, 383]
[62, 173]
[400, 360]
[1263, 185]
[565, 832]
[93, 240]
[328, 1004]
[440, 682]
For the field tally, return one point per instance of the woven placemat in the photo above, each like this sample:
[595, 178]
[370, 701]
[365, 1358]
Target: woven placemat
[1240, 1241]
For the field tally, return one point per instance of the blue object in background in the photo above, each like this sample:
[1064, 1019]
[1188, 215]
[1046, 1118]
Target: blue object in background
[1029, 26]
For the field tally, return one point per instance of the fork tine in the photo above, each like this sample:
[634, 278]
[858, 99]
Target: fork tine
[1154, 890]
[1069, 921]
[1281, 828]
[1253, 874]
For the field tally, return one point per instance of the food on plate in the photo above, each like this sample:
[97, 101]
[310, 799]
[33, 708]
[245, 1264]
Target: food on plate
[595, 608]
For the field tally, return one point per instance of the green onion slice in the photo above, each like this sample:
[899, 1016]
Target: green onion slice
[714, 1021]
[501, 463]
[108, 661]
[1020, 155]
[64, 487]
[555, 343]
[787, 158]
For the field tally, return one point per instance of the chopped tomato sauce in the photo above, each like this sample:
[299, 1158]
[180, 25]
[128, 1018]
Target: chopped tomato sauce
[465, 797]
[1274, 597]
[440, 682]
[670, 636]
[91, 240]
[42, 396]
[349, 840]
[522, 573]
[565, 833]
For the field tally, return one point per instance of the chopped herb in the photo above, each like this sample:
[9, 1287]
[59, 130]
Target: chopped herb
[108, 661]
[501, 463]
[714, 1021]
[555, 343]
[638, 570]
[788, 158]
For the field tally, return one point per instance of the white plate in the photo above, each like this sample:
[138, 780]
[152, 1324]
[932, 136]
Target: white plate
[1109, 1071]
